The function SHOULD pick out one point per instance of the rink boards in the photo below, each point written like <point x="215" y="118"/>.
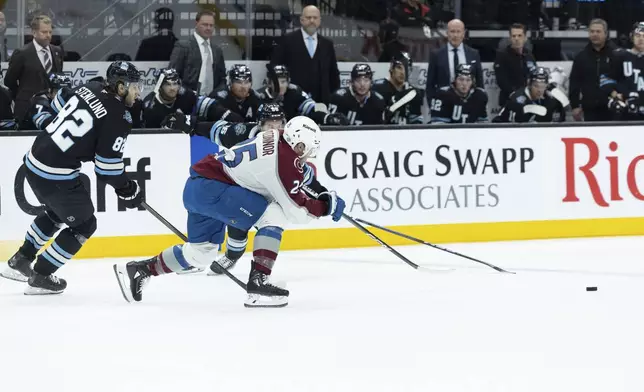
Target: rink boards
<point x="443" y="185"/>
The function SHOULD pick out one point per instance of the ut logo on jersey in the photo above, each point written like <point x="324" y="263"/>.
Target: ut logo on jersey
<point x="635" y="73"/>
<point x="457" y="114"/>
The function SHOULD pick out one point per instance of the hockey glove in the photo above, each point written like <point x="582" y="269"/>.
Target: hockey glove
<point x="336" y="119"/>
<point x="633" y="103"/>
<point x="336" y="204"/>
<point x="179" y="122"/>
<point x="131" y="194"/>
<point x="616" y="105"/>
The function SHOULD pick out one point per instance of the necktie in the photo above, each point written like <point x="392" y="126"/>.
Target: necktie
<point x="4" y="52"/>
<point x="207" y="80"/>
<point x="47" y="60"/>
<point x="455" y="50"/>
<point x="309" y="46"/>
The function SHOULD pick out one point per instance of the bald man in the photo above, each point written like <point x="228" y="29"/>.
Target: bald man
<point x="444" y="61"/>
<point x="309" y="57"/>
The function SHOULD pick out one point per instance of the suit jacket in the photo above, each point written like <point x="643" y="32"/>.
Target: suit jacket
<point x="186" y="59"/>
<point x="292" y="53"/>
<point x="26" y="75"/>
<point x="438" y="74"/>
<point x="156" y="48"/>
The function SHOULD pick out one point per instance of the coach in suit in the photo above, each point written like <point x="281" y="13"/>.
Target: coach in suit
<point x="309" y="57"/>
<point x="199" y="62"/>
<point x="444" y="61"/>
<point x="30" y="66"/>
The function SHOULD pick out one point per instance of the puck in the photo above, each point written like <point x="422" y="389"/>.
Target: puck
<point x="591" y="288"/>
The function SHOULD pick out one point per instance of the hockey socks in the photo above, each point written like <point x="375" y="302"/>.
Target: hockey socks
<point x="64" y="247"/>
<point x="236" y="243"/>
<point x="266" y="246"/>
<point x="168" y="261"/>
<point x="43" y="228"/>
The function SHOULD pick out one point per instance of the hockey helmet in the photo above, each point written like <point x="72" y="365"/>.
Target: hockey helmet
<point x="539" y="74"/>
<point x="360" y="70"/>
<point x="401" y="58"/>
<point x="638" y="27"/>
<point x="465" y="70"/>
<point x="302" y="129"/>
<point x="269" y="115"/>
<point x="240" y="72"/>
<point x="59" y="80"/>
<point x="280" y="71"/>
<point x="122" y="72"/>
<point x="169" y="75"/>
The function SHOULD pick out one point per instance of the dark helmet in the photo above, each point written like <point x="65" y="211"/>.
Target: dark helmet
<point x="170" y="75"/>
<point x="401" y="58"/>
<point x="539" y="74"/>
<point x="240" y="72"/>
<point x="280" y="71"/>
<point x="270" y="111"/>
<point x="638" y="27"/>
<point x="59" y="80"/>
<point x="465" y="70"/>
<point x="360" y="70"/>
<point x="121" y="72"/>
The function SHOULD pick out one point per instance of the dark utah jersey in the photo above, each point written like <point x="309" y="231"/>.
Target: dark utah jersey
<point x="295" y="102"/>
<point x="370" y="112"/>
<point x="449" y="107"/>
<point x="247" y="108"/>
<point x="42" y="110"/>
<point x="409" y="113"/>
<point x="154" y="111"/>
<point x="225" y="133"/>
<point x="92" y="125"/>
<point x="515" y="110"/>
<point x="625" y="75"/>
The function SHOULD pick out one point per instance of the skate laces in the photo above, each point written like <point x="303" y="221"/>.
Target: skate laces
<point x="142" y="283"/>
<point x="54" y="279"/>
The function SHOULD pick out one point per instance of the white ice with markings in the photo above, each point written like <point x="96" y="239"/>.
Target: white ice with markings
<point x="358" y="320"/>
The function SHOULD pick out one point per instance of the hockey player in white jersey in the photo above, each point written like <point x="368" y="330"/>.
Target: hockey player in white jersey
<point x="256" y="183"/>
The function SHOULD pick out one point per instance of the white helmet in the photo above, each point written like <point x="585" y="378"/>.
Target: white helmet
<point x="302" y="129"/>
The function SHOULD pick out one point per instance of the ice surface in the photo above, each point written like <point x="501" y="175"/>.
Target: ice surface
<point x="358" y="320"/>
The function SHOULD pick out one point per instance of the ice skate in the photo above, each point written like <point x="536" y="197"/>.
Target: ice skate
<point x="132" y="278"/>
<point x="223" y="262"/>
<point x="18" y="268"/>
<point x="190" y="270"/>
<point x="45" y="284"/>
<point x="263" y="294"/>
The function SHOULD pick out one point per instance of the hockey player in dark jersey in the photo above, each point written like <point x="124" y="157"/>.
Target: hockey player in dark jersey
<point x="462" y="102"/>
<point x="358" y="102"/>
<point x="397" y="87"/>
<point x="534" y="103"/>
<point x="293" y="100"/>
<point x="170" y="96"/>
<point x="47" y="103"/>
<point x="239" y="96"/>
<point x="92" y="125"/>
<point x="624" y="85"/>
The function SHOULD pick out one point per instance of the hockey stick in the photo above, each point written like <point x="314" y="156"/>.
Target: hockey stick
<point x="432" y="245"/>
<point x="185" y="239"/>
<point x="539" y="110"/>
<point x="378" y="240"/>
<point x="403" y="101"/>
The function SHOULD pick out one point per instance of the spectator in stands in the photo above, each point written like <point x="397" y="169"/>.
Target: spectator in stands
<point x="159" y="47"/>
<point x="587" y="100"/>
<point x="444" y="61"/>
<point x="4" y="50"/>
<point x="410" y="13"/>
<point x="309" y="57"/>
<point x="199" y="62"/>
<point x="513" y="64"/>
<point x="391" y="44"/>
<point x="30" y="66"/>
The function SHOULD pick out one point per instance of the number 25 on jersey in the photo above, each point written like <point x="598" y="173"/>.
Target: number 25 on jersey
<point x="70" y="122"/>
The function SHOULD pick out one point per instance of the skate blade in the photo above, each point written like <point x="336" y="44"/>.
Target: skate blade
<point x="263" y="301"/>
<point x="40" y="291"/>
<point x="124" y="282"/>
<point x="11" y="274"/>
<point x="191" y="270"/>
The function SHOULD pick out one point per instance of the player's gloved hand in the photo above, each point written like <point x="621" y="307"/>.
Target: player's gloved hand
<point x="131" y="194"/>
<point x="633" y="102"/>
<point x="616" y="105"/>
<point x="179" y="122"/>
<point x="336" y="204"/>
<point x="11" y="125"/>
<point x="336" y="119"/>
<point x="226" y="154"/>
